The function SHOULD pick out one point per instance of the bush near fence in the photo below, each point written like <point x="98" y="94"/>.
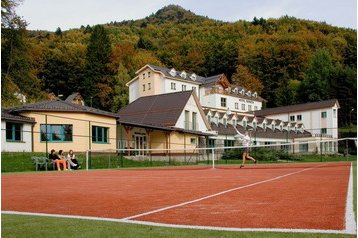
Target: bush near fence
<point x="263" y="154"/>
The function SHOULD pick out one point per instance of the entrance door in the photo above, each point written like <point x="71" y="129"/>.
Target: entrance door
<point x="140" y="143"/>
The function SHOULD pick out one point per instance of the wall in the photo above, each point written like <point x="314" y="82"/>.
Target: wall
<point x="133" y="91"/>
<point x="82" y="131"/>
<point x="191" y="106"/>
<point x="24" y="146"/>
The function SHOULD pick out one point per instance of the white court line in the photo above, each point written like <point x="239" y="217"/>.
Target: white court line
<point x="351" y="226"/>
<point x="350" y="220"/>
<point x="216" y="194"/>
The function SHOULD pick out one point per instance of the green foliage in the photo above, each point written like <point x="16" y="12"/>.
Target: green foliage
<point x="295" y="60"/>
<point x="261" y="154"/>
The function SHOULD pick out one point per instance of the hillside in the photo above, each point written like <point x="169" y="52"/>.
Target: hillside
<point x="290" y="60"/>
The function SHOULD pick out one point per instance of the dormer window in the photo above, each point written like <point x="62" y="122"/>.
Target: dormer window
<point x="193" y="77"/>
<point x="209" y="118"/>
<point x="281" y="128"/>
<point x="254" y="124"/>
<point x="264" y="126"/>
<point x="242" y="91"/>
<point x="234" y="123"/>
<point x="172" y="72"/>
<point x="244" y="124"/>
<point x="248" y="93"/>
<point x="183" y="74"/>
<point x="254" y="94"/>
<point x="273" y="127"/>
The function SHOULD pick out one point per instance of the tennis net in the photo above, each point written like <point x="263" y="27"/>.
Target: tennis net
<point x="223" y="156"/>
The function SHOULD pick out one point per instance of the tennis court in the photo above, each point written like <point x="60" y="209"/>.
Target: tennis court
<point x="303" y="197"/>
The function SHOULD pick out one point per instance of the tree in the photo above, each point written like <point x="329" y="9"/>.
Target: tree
<point x="120" y="94"/>
<point x="97" y="72"/>
<point x="244" y="78"/>
<point x="17" y="75"/>
<point x="315" y="85"/>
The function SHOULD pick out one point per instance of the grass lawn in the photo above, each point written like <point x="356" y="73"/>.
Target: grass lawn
<point x="32" y="226"/>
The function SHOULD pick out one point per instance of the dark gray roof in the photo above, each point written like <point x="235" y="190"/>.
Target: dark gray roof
<point x="297" y="107"/>
<point x="61" y="106"/>
<point x="165" y="71"/>
<point x="72" y="96"/>
<point x="7" y="116"/>
<point x="212" y="79"/>
<point x="161" y="110"/>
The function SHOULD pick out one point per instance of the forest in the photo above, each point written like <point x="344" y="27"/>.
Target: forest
<point x="286" y="60"/>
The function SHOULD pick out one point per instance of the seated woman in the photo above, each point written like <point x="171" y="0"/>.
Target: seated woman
<point x="72" y="161"/>
<point x="58" y="160"/>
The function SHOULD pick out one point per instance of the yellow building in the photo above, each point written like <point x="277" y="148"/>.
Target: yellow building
<point x="62" y="125"/>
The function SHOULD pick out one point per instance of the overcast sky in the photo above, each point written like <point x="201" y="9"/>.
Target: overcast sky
<point x="67" y="14"/>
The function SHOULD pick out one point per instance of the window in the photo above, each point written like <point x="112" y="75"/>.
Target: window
<point x="249" y="107"/>
<point x="143" y="76"/>
<point x="244" y="124"/>
<point x="149" y="86"/>
<point x="303" y="147"/>
<point x="292" y="118"/>
<point x="211" y="143"/>
<point x="323" y="114"/>
<point x="273" y="127"/>
<point x="228" y="143"/>
<point x="194" y="127"/>
<point x="173" y="86"/>
<point x="13" y="131"/>
<point x="254" y="124"/>
<point x="334" y="113"/>
<point x="148" y="74"/>
<point x="324" y="131"/>
<point x="255" y="108"/>
<point x="223" y="102"/>
<point x="193" y="141"/>
<point x="99" y="134"/>
<point x="299" y="117"/>
<point x="243" y="107"/>
<point x="209" y="118"/>
<point x="264" y="126"/>
<point x="193" y="88"/>
<point x="236" y="105"/>
<point x="143" y="87"/>
<point x="224" y="121"/>
<point x="186" y="122"/>
<point x="183" y="87"/>
<point x="56" y="133"/>
<point x="234" y="123"/>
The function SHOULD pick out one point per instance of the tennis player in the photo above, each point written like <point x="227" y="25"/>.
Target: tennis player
<point x="247" y="142"/>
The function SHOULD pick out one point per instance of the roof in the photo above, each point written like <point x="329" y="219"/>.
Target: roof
<point x="6" y="116"/>
<point x="161" y="110"/>
<point x="259" y="132"/>
<point x="72" y="97"/>
<point x="212" y="79"/>
<point x="165" y="71"/>
<point x="297" y="108"/>
<point x="62" y="106"/>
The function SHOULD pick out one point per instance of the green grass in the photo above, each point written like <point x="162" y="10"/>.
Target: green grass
<point x="31" y="226"/>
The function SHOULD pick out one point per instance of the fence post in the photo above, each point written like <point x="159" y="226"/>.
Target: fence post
<point x="213" y="157"/>
<point x="87" y="153"/>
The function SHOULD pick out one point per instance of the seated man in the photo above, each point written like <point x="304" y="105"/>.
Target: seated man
<point x="58" y="160"/>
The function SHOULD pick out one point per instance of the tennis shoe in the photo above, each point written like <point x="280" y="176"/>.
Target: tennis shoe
<point x="241" y="166"/>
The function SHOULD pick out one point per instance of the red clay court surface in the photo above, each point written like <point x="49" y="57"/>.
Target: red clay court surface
<point x="304" y="196"/>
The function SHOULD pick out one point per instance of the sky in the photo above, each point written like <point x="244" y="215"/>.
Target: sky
<point x="67" y="14"/>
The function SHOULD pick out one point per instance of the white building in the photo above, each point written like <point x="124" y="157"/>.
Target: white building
<point x="319" y="118"/>
<point x="16" y="133"/>
<point x="213" y="92"/>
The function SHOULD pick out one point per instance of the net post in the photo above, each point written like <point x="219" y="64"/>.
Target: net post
<point x="87" y="153"/>
<point x="213" y="157"/>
